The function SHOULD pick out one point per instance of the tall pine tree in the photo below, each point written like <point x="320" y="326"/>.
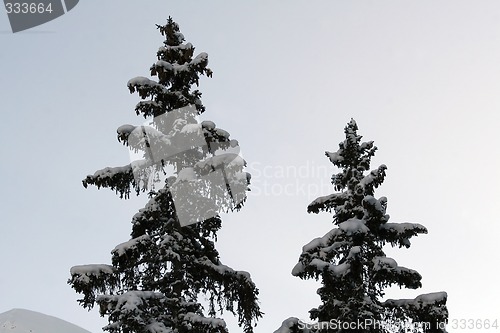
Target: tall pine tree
<point x="156" y="278"/>
<point x="350" y="260"/>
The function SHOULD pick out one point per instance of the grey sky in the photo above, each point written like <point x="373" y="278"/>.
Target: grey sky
<point x="421" y="78"/>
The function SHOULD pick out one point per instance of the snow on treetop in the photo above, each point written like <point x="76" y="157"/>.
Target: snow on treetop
<point x="340" y="269"/>
<point x="321" y="265"/>
<point x="149" y="103"/>
<point x="374" y="177"/>
<point x="192" y="128"/>
<point x="130" y="300"/>
<point x="379" y="205"/>
<point x="144" y="136"/>
<point x="354" y="226"/>
<point x="223" y="269"/>
<point x="288" y="326"/>
<point x="195" y="318"/>
<point x="400" y="233"/>
<point x="158" y="327"/>
<point x="142" y="81"/>
<point x="419" y="301"/>
<point x="222" y="132"/>
<point x="402" y="228"/>
<point x="165" y="48"/>
<point x="125" y="129"/>
<point x="228" y="160"/>
<point x="335" y="157"/>
<point x="92" y="269"/>
<point x="84" y="272"/>
<point x="122" y="248"/>
<point x="431" y="297"/>
<point x="110" y="172"/>
<point x="380" y="263"/>
<point x="326" y="202"/>
<point x="200" y="58"/>
<point x="172" y="33"/>
<point x="355" y="250"/>
<point x="186" y="175"/>
<point x="404" y="276"/>
<point x="163" y="66"/>
<point x="366" y="145"/>
<point x="298" y="269"/>
<point x="208" y="124"/>
<point x="321" y="241"/>
<point x="169" y="67"/>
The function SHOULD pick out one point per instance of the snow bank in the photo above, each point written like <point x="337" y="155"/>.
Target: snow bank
<point x="419" y="301"/>
<point x="354" y="226"/>
<point x="83" y="273"/>
<point x="26" y="321"/>
<point x="213" y="322"/>
<point x="122" y="248"/>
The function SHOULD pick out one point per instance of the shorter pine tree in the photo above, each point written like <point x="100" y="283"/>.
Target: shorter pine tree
<point x="350" y="260"/>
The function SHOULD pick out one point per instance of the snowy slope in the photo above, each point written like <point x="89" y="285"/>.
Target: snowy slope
<point x="26" y="321"/>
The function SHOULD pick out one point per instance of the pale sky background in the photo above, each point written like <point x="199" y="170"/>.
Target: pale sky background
<point x="421" y="78"/>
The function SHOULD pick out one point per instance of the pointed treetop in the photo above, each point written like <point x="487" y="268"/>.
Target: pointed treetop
<point x="350" y="258"/>
<point x="353" y="156"/>
<point x="172" y="33"/>
<point x="177" y="70"/>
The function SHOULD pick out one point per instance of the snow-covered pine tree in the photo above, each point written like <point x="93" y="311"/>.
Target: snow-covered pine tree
<point x="350" y="260"/>
<point x="156" y="278"/>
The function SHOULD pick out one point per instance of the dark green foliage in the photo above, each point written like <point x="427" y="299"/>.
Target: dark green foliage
<point x="156" y="278"/>
<point x="350" y="261"/>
